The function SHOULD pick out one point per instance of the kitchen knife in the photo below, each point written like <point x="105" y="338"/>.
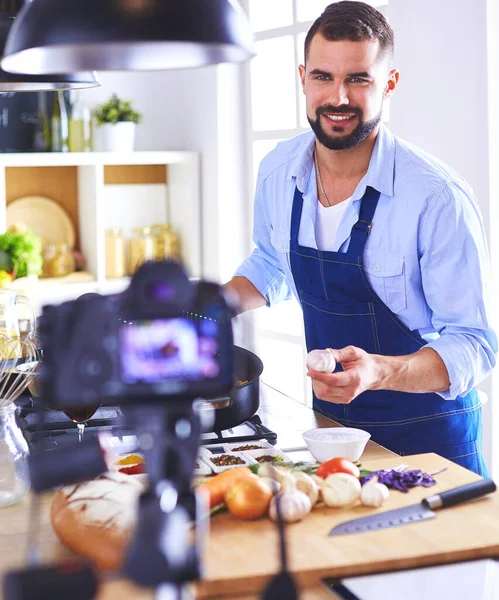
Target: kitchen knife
<point x="416" y="512"/>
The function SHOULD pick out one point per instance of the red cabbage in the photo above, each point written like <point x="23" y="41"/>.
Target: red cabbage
<point x="401" y="480"/>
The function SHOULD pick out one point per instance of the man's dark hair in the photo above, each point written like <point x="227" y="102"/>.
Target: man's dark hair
<point x="354" y="21"/>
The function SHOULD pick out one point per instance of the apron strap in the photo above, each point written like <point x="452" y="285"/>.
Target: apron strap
<point x="296" y="215"/>
<point x="362" y="228"/>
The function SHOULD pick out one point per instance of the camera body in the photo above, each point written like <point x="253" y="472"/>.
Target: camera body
<point x="164" y="337"/>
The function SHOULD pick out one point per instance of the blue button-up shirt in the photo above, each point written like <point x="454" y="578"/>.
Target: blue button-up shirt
<point x="426" y="256"/>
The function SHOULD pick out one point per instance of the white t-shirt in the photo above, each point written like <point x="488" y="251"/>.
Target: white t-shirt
<point x="327" y="223"/>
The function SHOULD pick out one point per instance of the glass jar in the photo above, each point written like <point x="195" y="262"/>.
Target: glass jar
<point x="167" y="242"/>
<point x="140" y="248"/>
<point x="14" y="473"/>
<point x="63" y="263"/>
<point x="115" y="254"/>
<point x="48" y="257"/>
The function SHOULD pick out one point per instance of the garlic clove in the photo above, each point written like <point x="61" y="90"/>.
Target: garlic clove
<point x="321" y="360"/>
<point x="374" y="494"/>
<point x="306" y="484"/>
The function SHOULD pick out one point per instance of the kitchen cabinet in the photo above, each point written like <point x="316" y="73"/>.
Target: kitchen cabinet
<point x="100" y="190"/>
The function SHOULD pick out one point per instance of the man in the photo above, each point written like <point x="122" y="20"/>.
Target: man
<point x="384" y="248"/>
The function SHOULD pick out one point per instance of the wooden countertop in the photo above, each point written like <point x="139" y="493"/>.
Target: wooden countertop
<point x="250" y="549"/>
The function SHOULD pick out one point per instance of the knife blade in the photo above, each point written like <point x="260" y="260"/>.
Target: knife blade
<point x="416" y="512"/>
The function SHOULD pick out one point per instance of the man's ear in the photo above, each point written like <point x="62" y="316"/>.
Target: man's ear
<point x="391" y="84"/>
<point x="302" y="71"/>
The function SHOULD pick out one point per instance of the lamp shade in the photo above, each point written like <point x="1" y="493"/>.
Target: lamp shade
<point x="80" y="35"/>
<point x="10" y="82"/>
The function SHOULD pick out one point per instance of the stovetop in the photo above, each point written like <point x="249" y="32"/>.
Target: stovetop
<point x="59" y="430"/>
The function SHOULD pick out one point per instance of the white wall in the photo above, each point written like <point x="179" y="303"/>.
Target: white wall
<point x="199" y="110"/>
<point x="446" y="103"/>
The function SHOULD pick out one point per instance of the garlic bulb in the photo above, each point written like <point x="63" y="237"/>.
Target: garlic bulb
<point x="374" y="493"/>
<point x="274" y="485"/>
<point x="280" y="475"/>
<point x="321" y="360"/>
<point x="341" y="489"/>
<point x="293" y="506"/>
<point x="306" y="484"/>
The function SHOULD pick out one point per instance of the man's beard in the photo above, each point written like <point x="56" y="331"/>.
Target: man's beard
<point x="358" y="135"/>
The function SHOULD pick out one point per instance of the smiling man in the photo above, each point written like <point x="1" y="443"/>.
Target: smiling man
<point x="383" y="246"/>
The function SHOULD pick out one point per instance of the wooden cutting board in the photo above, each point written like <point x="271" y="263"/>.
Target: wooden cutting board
<point x="240" y="556"/>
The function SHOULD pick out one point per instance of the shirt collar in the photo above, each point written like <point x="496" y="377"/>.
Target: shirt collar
<point x="380" y="174"/>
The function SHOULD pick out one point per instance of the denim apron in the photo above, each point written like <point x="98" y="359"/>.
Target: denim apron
<point x="340" y="308"/>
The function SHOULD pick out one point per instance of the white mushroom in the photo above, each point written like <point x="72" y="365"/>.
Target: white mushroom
<point x="341" y="489"/>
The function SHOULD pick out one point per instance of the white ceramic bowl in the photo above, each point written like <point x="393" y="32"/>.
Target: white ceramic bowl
<point x="328" y="442"/>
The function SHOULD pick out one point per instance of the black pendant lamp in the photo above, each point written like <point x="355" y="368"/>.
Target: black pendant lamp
<point x="10" y="82"/>
<point x="136" y="35"/>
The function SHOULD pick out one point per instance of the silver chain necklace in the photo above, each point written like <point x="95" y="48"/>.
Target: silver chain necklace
<point x="319" y="179"/>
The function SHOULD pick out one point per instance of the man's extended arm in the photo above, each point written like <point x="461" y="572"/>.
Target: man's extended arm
<point x="246" y="293"/>
<point x="421" y="372"/>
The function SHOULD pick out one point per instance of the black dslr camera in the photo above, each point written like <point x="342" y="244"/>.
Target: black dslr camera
<point x="165" y="336"/>
<point x="153" y="349"/>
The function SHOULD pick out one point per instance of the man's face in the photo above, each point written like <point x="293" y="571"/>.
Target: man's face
<point x="345" y="84"/>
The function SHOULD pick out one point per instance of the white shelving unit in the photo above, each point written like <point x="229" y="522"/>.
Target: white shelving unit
<point x="102" y="190"/>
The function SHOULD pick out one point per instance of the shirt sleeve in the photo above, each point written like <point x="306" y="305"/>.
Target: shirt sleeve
<point x="455" y="274"/>
<point x="263" y="267"/>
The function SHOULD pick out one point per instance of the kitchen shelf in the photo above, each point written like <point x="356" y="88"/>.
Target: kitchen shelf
<point x="106" y="189"/>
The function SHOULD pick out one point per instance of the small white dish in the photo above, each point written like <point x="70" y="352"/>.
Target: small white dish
<point x="204" y="452"/>
<point x="329" y="442"/>
<point x="241" y="446"/>
<point x="201" y="467"/>
<point x="277" y="455"/>
<point x="245" y="461"/>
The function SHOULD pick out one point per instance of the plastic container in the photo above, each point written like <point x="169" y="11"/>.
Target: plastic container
<point x="277" y="455"/>
<point x="329" y="442"/>
<point x="246" y="460"/>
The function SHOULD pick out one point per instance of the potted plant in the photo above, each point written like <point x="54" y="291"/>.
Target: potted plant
<point x="116" y="121"/>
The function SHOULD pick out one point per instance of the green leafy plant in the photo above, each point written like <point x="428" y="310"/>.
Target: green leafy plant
<point x="21" y="252"/>
<point x="116" y="111"/>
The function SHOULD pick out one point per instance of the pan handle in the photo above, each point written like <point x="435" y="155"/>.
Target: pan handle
<point x="223" y="402"/>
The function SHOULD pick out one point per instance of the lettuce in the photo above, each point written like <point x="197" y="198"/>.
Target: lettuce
<point x="25" y="251"/>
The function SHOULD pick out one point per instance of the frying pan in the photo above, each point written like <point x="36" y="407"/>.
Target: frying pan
<point x="244" y="398"/>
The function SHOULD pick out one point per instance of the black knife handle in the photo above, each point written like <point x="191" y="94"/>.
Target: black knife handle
<point x="460" y="494"/>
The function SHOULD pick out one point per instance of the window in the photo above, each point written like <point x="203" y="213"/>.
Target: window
<point x="277" y="112"/>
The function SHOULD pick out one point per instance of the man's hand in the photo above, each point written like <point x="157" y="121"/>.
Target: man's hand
<point x="421" y="372"/>
<point x="360" y="373"/>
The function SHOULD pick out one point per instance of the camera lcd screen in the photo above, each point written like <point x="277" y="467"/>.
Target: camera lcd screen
<point x="169" y="349"/>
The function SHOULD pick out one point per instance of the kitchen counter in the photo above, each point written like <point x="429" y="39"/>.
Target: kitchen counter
<point x="241" y="556"/>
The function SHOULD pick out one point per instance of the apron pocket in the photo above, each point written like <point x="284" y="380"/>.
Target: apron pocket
<point x="336" y="325"/>
<point x="386" y="275"/>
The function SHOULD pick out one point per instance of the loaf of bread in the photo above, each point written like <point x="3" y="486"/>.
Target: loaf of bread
<point x="97" y="518"/>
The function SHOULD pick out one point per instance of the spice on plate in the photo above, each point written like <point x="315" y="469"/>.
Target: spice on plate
<point x="131" y="459"/>
<point x="268" y="458"/>
<point x="225" y="460"/>
<point x="247" y="447"/>
<point x="133" y="470"/>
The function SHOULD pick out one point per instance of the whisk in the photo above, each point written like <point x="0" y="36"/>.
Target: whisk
<point x="19" y="360"/>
